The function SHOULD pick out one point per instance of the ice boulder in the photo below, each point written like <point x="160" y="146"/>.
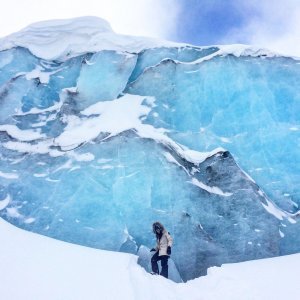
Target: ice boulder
<point x="103" y="134"/>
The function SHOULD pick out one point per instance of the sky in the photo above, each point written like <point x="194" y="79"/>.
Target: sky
<point x="273" y="24"/>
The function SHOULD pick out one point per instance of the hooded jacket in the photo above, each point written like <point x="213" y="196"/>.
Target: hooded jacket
<point x="163" y="243"/>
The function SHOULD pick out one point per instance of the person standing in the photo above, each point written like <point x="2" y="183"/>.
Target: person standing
<point x="162" y="250"/>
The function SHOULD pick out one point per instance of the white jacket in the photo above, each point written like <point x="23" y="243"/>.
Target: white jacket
<point x="163" y="243"/>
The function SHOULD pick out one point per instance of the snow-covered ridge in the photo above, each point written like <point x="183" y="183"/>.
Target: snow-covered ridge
<point x="62" y="39"/>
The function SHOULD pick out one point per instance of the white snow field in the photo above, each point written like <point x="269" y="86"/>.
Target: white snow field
<point x="35" y="267"/>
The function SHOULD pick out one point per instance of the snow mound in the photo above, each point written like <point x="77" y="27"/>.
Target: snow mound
<point x="44" y="268"/>
<point x="66" y="38"/>
<point x="62" y="39"/>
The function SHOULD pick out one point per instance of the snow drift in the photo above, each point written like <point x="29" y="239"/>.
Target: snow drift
<point x="36" y="267"/>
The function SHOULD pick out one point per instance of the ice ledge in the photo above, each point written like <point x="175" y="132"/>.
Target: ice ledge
<point x="62" y="39"/>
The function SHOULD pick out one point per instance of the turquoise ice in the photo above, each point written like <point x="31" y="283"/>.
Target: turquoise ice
<point x="98" y="146"/>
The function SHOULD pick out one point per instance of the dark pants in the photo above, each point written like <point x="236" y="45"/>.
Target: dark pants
<point x="164" y="264"/>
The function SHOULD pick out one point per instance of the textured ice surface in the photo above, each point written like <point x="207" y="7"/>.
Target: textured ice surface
<point x="96" y="147"/>
<point x="115" y="70"/>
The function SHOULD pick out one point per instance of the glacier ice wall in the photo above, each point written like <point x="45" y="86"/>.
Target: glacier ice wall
<point x="97" y="146"/>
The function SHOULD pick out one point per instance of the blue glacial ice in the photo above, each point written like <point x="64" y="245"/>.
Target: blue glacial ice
<point x="97" y="145"/>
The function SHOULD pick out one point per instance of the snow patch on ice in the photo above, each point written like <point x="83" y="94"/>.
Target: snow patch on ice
<point x="171" y="159"/>
<point x="38" y="148"/>
<point x="225" y="140"/>
<point x="38" y="73"/>
<point x="29" y="220"/>
<point x="22" y="135"/>
<point x="9" y="175"/>
<point x="40" y="175"/>
<point x="5" y="202"/>
<point x="210" y="189"/>
<point x="13" y="212"/>
<point x="128" y="110"/>
<point x="276" y="211"/>
<point x="82" y="156"/>
<point x="199" y="157"/>
<point x="35" y="111"/>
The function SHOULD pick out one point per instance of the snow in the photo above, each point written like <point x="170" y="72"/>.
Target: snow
<point x="29" y="220"/>
<point x="245" y="50"/>
<point x="13" y="212"/>
<point x="63" y="39"/>
<point x="210" y="189"/>
<point x="9" y="175"/>
<point x="38" y="267"/>
<point x="127" y="110"/>
<point x="101" y="118"/>
<point x="239" y="50"/>
<point x="198" y="157"/>
<point x="41" y="74"/>
<point x="36" y="111"/>
<point x="236" y="50"/>
<point x="39" y="148"/>
<point x="21" y="135"/>
<point x="276" y="211"/>
<point x="4" y="202"/>
<point x="172" y="160"/>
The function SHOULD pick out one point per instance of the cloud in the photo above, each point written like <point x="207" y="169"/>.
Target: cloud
<point x="206" y="22"/>
<point x="135" y="17"/>
<point x="271" y="24"/>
